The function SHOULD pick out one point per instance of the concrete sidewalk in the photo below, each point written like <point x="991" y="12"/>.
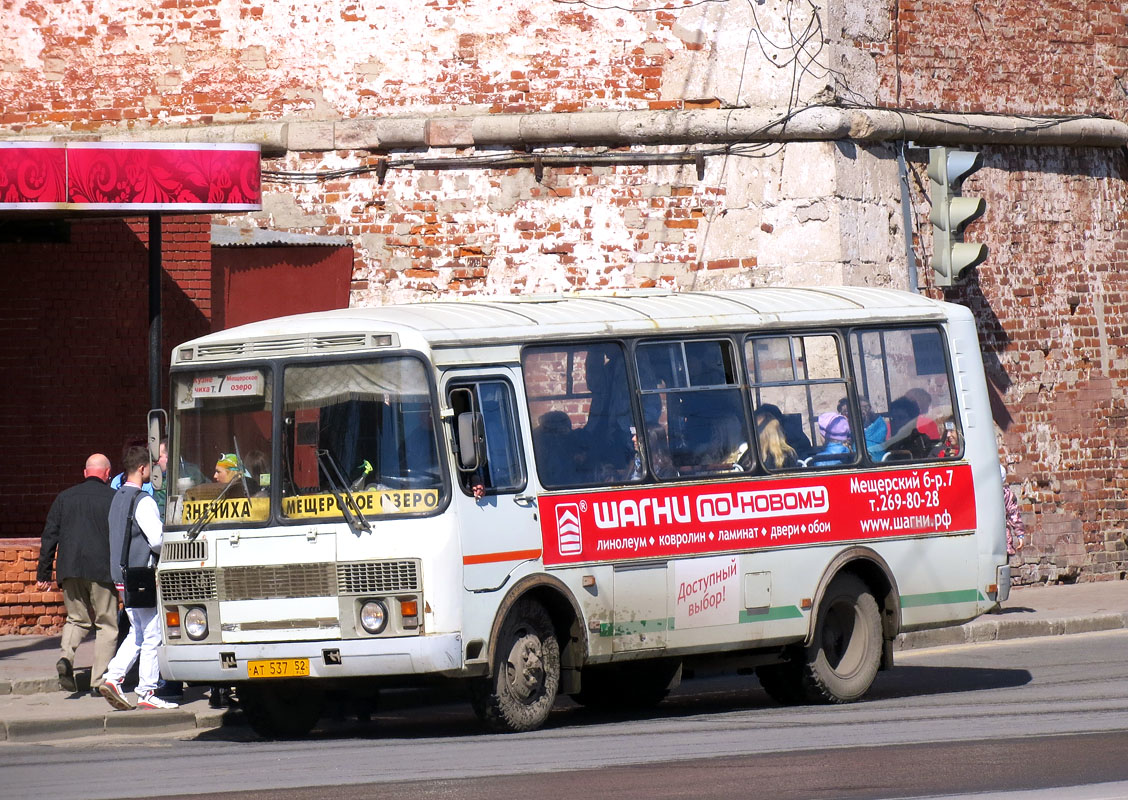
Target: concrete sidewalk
<point x="34" y="708"/>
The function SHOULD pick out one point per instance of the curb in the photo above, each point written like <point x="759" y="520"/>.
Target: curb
<point x="991" y="630"/>
<point x="25" y="686"/>
<point x="125" y="723"/>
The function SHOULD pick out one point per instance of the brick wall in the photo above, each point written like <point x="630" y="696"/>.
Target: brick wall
<point x="1051" y="297"/>
<point x="74" y="326"/>
<point x="1051" y="301"/>
<point x="23" y="608"/>
<point x="1065" y="57"/>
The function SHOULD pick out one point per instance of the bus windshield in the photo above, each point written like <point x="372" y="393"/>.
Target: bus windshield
<point x="365" y="429"/>
<point x="222" y="448"/>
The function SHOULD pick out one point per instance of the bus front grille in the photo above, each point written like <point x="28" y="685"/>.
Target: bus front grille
<point x="196" y="550"/>
<point x="282" y="581"/>
<point x="187" y="585"/>
<point x="377" y="577"/>
<point x="279" y="581"/>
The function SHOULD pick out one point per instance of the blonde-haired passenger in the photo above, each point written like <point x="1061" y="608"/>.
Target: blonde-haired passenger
<point x="774" y="449"/>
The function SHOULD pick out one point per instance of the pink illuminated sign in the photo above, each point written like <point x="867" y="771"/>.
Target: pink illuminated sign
<point x="130" y="177"/>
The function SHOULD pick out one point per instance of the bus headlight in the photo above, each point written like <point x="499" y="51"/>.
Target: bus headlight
<point x="196" y="624"/>
<point x="373" y="616"/>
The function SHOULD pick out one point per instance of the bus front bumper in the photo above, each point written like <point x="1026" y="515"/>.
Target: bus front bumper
<point x="351" y="658"/>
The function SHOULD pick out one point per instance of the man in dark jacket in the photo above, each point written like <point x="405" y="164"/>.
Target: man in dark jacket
<point x="78" y="528"/>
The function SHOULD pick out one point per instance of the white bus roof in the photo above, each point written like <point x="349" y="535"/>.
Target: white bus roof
<point x="502" y="320"/>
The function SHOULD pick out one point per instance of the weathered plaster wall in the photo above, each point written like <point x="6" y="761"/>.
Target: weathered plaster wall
<point x="87" y="62"/>
<point x="811" y="213"/>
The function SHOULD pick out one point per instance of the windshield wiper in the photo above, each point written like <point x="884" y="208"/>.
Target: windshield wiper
<point x="202" y="522"/>
<point x="338" y="486"/>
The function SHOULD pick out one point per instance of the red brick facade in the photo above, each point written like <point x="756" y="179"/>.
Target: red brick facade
<point x="74" y="324"/>
<point x="24" y="609"/>
<point x="1052" y="297"/>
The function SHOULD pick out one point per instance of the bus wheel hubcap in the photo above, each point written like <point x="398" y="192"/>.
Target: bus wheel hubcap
<point x="525" y="668"/>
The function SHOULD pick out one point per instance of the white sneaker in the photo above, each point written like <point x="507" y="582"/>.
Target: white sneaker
<point x="111" y="690"/>
<point x="150" y="700"/>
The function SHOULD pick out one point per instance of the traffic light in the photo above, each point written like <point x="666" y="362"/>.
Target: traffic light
<point x="951" y="212"/>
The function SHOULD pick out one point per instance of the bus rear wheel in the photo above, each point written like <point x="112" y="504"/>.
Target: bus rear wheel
<point x="283" y="711"/>
<point x="526" y="673"/>
<point x="843" y="657"/>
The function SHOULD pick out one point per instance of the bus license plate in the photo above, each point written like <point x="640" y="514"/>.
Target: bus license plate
<point x="279" y="668"/>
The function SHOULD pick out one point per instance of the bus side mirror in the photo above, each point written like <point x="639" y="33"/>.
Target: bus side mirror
<point x="158" y="424"/>
<point x="471" y="440"/>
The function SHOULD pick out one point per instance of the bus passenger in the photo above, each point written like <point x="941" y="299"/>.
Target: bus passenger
<point x="911" y="432"/>
<point x="774" y="449"/>
<point x="257" y="476"/>
<point x="837" y="442"/>
<point x="227" y="469"/>
<point x="555" y="446"/>
<point x="876" y="430"/>
<point x="925" y="424"/>
<point x="792" y="428"/>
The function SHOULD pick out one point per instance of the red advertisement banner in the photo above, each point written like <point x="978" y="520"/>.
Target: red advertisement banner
<point x="32" y="175"/>
<point x="175" y="177"/>
<point x="671" y="521"/>
<point x="130" y="177"/>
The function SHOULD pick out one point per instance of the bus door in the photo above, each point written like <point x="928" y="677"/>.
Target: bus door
<point x="641" y="607"/>
<point x="497" y="517"/>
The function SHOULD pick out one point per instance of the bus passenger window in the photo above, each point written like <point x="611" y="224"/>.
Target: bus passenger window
<point x="798" y="391"/>
<point x="903" y="380"/>
<point x="693" y="408"/>
<point x="580" y="407"/>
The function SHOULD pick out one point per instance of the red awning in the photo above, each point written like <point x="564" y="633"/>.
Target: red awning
<point x="129" y="177"/>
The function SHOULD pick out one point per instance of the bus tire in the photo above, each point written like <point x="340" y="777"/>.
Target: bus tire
<point x="281" y="711"/>
<point x="526" y="674"/>
<point x="844" y="655"/>
<point x="630" y="687"/>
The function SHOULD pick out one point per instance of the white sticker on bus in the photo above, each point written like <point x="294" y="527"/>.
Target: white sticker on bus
<point x="568" y="528"/>
<point x="707" y="592"/>
<point x="240" y="384"/>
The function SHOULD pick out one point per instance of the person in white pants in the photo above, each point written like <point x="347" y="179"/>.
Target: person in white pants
<point x="146" y="532"/>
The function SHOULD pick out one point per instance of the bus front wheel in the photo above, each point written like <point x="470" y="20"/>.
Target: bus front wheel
<point x="526" y="673"/>
<point x="843" y="657"/>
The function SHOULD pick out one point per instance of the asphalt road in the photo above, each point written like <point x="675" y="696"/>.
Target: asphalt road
<point x="1003" y="717"/>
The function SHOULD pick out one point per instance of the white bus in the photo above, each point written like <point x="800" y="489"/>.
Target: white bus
<point x="593" y="495"/>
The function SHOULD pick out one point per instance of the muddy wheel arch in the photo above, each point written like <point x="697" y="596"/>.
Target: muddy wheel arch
<point x="567" y="621"/>
<point x="873" y="570"/>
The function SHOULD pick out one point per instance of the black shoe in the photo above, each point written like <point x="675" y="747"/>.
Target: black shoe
<point x="66" y="674"/>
